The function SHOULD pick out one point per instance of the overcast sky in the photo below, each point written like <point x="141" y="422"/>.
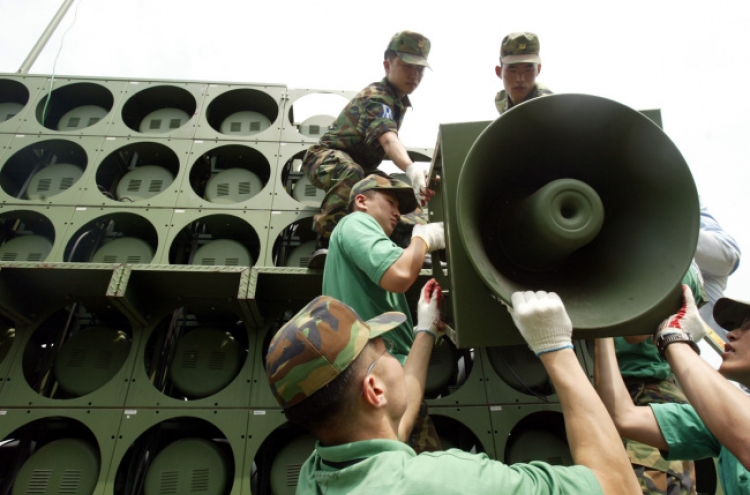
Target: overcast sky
<point x="687" y="58"/>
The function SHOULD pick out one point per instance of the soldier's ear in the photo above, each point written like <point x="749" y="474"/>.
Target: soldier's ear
<point x="499" y="71"/>
<point x="538" y="69"/>
<point x="387" y="66"/>
<point x="360" y="202"/>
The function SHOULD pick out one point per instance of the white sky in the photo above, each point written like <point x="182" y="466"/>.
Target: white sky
<point x="686" y="57"/>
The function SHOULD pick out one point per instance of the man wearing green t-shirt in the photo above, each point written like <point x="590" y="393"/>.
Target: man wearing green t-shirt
<point x="331" y="372"/>
<point x="716" y="423"/>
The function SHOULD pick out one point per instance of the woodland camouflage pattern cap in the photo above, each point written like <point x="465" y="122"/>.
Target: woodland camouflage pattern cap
<point x="407" y="202"/>
<point x="315" y="346"/>
<point x="730" y="313"/>
<point x="520" y="48"/>
<point x="411" y="47"/>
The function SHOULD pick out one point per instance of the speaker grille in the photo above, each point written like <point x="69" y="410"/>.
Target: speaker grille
<point x="155" y="185"/>
<point x="39" y="481"/>
<point x="255" y="126"/>
<point x="44" y="185"/>
<point x="222" y="189"/>
<point x="104" y="360"/>
<point x="10" y="256"/>
<point x="134" y="185"/>
<point x="71" y="481"/>
<point x="236" y="126"/>
<point x="292" y="474"/>
<point x="66" y="182"/>
<point x="310" y="190"/>
<point x="155" y="124"/>
<point x="314" y="129"/>
<point x="175" y="123"/>
<point x="232" y="262"/>
<point x="93" y="120"/>
<point x="216" y="361"/>
<point x="74" y="121"/>
<point x="200" y="480"/>
<point x="169" y="481"/>
<point x="76" y="358"/>
<point x="190" y="360"/>
<point x="244" y="188"/>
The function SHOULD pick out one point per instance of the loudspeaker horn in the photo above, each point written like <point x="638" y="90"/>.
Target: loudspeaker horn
<point x="585" y="197"/>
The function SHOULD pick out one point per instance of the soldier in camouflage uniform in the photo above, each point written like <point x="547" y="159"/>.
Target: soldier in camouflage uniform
<point x="519" y="66"/>
<point x="364" y="133"/>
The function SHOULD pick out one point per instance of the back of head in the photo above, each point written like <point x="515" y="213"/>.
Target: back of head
<point x="412" y="48"/>
<point x="520" y="48"/>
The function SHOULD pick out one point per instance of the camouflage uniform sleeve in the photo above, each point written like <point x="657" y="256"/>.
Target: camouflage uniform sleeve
<point x="381" y="118"/>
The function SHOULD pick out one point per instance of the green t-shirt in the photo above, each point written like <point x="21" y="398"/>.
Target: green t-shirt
<point x="359" y="253"/>
<point x="381" y="467"/>
<point x="689" y="439"/>
<point x="641" y="360"/>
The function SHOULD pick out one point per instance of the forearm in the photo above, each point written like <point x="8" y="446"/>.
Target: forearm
<point x="415" y="376"/>
<point x="633" y="422"/>
<point x="723" y="407"/>
<point x="404" y="271"/>
<point x="593" y="439"/>
<point x="395" y="150"/>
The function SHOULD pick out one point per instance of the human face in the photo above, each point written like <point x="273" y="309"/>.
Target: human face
<point x="518" y="79"/>
<point x="736" y="358"/>
<point x="382" y="206"/>
<point x="404" y="77"/>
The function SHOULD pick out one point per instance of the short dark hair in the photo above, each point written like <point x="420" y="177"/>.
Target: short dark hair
<point x="390" y="55"/>
<point x="324" y="407"/>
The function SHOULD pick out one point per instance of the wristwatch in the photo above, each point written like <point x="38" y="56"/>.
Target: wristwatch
<point x="670" y="338"/>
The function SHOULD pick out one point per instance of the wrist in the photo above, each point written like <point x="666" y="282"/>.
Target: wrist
<point x="664" y="340"/>
<point x="425" y="330"/>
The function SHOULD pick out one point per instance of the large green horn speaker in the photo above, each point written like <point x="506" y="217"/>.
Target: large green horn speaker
<point x="582" y="196"/>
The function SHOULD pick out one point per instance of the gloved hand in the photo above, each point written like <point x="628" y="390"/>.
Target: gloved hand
<point x="433" y="234"/>
<point x="687" y="320"/>
<point x="542" y="320"/>
<point x="428" y="310"/>
<point x="417" y="174"/>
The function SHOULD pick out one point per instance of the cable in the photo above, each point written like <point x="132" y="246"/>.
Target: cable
<point x="54" y="64"/>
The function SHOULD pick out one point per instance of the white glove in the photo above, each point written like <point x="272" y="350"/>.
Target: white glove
<point x="428" y="310"/>
<point x="417" y="174"/>
<point x="433" y="234"/>
<point x="687" y="320"/>
<point x="542" y="320"/>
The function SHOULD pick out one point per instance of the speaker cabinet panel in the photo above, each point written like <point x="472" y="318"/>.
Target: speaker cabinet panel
<point x="229" y="175"/>
<point x="248" y="228"/>
<point x="467" y="428"/>
<point x="158" y="110"/>
<point x="75" y="357"/>
<point x="48" y="223"/>
<point x="242" y="112"/>
<point x="136" y="173"/>
<point x="290" y="231"/>
<point x="8" y="348"/>
<point x="73" y="107"/>
<point x="286" y="196"/>
<point x="40" y="170"/>
<point x="116" y="235"/>
<point x="168" y="356"/>
<point x="530" y="432"/>
<point x="5" y="140"/>
<point x="145" y="433"/>
<point x="300" y="124"/>
<point x="16" y="92"/>
<point x="98" y="429"/>
<point x="461" y="375"/>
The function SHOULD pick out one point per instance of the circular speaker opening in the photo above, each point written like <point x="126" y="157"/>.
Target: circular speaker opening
<point x="89" y="243"/>
<point x="313" y="113"/>
<point x="28" y="236"/>
<point x="74" y="106"/>
<point x="159" y="109"/>
<point x="210" y="228"/>
<point x="519" y="367"/>
<point x="279" y="459"/>
<point x="75" y="352"/>
<point x="236" y="103"/>
<point x="137" y="172"/>
<point x="43" y="169"/>
<point x="540" y="436"/>
<point x="179" y="455"/>
<point x="50" y="455"/>
<point x="230" y="174"/>
<point x="297" y="185"/>
<point x="448" y="370"/>
<point x="13" y="98"/>
<point x="456" y="435"/>
<point x="206" y="352"/>
<point x="293" y="243"/>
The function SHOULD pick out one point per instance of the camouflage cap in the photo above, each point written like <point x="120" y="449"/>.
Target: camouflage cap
<point x="520" y="48"/>
<point x="407" y="202"/>
<point x="319" y="343"/>
<point x="411" y="47"/>
<point x="730" y="313"/>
